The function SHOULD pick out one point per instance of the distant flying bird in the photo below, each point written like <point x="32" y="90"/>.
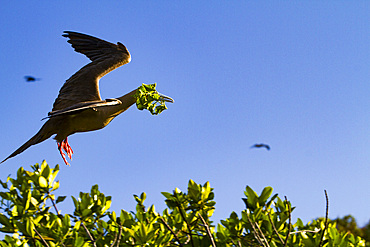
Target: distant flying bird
<point x="29" y="78"/>
<point x="261" y="145"/>
<point x="79" y="107"/>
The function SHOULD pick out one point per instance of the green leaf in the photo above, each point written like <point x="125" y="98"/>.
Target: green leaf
<point x="252" y="198"/>
<point x="268" y="204"/>
<point x="43" y="182"/>
<point x="5" y="185"/>
<point x="79" y="242"/>
<point x="167" y="194"/>
<point x="266" y="193"/>
<point x="4" y="220"/>
<point x="45" y="170"/>
<point x="55" y="185"/>
<point x="106" y="206"/>
<point x="77" y="225"/>
<point x="143" y="197"/>
<point x="299" y="223"/>
<point x="60" y="199"/>
<point x="86" y="212"/>
<point x="34" y="201"/>
<point x="30" y="227"/>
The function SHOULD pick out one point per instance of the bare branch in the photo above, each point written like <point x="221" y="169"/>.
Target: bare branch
<point x="326" y="218"/>
<point x="207" y="229"/>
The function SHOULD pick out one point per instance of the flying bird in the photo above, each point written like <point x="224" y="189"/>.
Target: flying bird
<point x="261" y="145"/>
<point x="79" y="107"/>
<point x="29" y="78"/>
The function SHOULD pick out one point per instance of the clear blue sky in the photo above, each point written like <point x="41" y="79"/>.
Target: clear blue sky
<point x="292" y="74"/>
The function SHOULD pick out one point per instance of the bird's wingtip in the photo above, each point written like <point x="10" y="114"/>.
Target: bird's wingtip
<point x="66" y="33"/>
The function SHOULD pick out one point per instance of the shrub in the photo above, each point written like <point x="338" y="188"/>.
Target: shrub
<point x="30" y="217"/>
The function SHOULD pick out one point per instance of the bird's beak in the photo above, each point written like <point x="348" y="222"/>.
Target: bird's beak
<point x="165" y="98"/>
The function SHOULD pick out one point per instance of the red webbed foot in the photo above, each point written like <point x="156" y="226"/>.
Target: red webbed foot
<point x="64" y="145"/>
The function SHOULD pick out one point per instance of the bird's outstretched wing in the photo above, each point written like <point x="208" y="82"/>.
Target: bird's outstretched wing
<point x="83" y="86"/>
<point x="261" y="146"/>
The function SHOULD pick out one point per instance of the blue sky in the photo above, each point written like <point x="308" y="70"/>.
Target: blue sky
<point x="292" y="74"/>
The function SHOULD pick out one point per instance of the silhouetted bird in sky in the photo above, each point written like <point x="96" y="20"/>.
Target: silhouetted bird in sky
<point x="29" y="78"/>
<point x="79" y="107"/>
<point x="261" y="145"/>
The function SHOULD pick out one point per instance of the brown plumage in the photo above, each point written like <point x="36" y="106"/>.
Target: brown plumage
<point x="79" y="107"/>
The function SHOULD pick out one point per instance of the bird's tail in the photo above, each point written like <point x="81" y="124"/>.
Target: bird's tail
<point x="41" y="136"/>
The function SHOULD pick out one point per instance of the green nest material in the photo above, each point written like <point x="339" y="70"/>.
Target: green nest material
<point x="148" y="98"/>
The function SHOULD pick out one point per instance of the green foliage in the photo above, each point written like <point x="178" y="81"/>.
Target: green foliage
<point x="29" y="217"/>
<point x="148" y="98"/>
<point x="348" y="224"/>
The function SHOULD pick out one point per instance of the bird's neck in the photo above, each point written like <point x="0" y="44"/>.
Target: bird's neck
<point x="127" y="100"/>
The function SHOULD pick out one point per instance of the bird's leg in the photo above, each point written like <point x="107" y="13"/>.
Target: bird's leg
<point x="60" y="146"/>
<point x="68" y="148"/>
<point x="64" y="145"/>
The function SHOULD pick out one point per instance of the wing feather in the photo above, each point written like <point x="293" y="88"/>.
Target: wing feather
<point x="74" y="109"/>
<point x="83" y="86"/>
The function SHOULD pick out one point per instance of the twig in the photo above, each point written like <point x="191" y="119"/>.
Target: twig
<point x="54" y="205"/>
<point x="187" y="224"/>
<point x="290" y="222"/>
<point x="303" y="231"/>
<point x="169" y="228"/>
<point x="115" y="239"/>
<point x="56" y="209"/>
<point x="264" y="238"/>
<point x="88" y="233"/>
<point x="255" y="233"/>
<point x="232" y="241"/>
<point x="43" y="240"/>
<point x="187" y="240"/>
<point x="275" y="230"/>
<point x="239" y="244"/>
<point x="119" y="235"/>
<point x="207" y="229"/>
<point x="326" y="218"/>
